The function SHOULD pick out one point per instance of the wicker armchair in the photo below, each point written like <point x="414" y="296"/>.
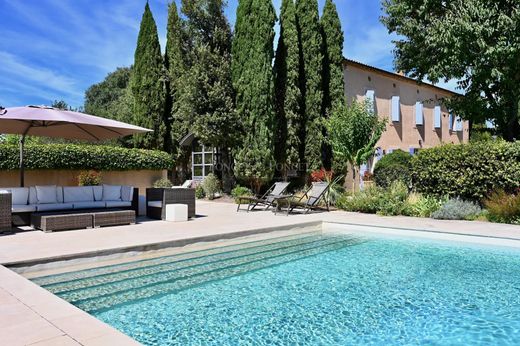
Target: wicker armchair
<point x="158" y="198"/>
<point x="5" y="212"/>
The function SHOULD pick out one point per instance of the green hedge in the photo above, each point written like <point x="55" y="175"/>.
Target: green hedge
<point x="470" y="171"/>
<point x="393" y="167"/>
<point x="69" y="156"/>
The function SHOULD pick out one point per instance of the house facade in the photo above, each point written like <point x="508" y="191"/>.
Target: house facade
<point x="416" y="117"/>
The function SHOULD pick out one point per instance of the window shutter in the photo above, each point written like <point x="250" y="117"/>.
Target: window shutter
<point x="437" y="117"/>
<point x="419" y="117"/>
<point x="370" y="97"/>
<point x="458" y="124"/>
<point x="396" y="109"/>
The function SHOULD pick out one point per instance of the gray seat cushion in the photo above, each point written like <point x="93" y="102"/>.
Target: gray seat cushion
<point x="118" y="204"/>
<point x="23" y="208"/>
<point x="155" y="204"/>
<point x="54" y="207"/>
<point x="89" y="205"/>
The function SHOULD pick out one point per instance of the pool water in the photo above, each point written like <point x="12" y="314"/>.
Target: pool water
<point x="310" y="289"/>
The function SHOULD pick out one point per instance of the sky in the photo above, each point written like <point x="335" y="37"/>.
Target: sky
<point x="55" y="49"/>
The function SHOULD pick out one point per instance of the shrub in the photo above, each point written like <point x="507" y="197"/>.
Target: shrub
<point x="376" y="200"/>
<point x="83" y="157"/>
<point x="469" y="171"/>
<point x="240" y="191"/>
<point x="419" y="205"/>
<point x="458" y="209"/>
<point x="89" y="178"/>
<point x="163" y="183"/>
<point x="503" y="207"/>
<point x="395" y="166"/>
<point x="392" y="201"/>
<point x="199" y="192"/>
<point x="211" y="185"/>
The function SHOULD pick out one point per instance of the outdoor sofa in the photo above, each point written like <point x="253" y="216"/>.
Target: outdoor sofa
<point x="52" y="198"/>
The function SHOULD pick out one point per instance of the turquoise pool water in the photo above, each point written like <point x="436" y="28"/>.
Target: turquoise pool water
<point x="309" y="290"/>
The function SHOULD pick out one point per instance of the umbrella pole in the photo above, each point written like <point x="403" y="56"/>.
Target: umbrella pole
<point x="22" y="168"/>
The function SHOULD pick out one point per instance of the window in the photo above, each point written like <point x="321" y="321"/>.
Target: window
<point x="202" y="161"/>
<point x="419" y="116"/>
<point x="451" y="118"/>
<point x="413" y="151"/>
<point x="370" y="97"/>
<point x="437" y="117"/>
<point x="396" y="109"/>
<point x="458" y="124"/>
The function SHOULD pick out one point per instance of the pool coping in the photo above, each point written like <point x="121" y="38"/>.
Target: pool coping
<point x="32" y="315"/>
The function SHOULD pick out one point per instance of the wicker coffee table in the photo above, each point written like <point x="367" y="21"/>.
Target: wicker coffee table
<point x="113" y="218"/>
<point x="49" y="222"/>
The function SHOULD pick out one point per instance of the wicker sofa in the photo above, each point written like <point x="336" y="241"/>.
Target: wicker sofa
<point x="158" y="198"/>
<point x="50" y="198"/>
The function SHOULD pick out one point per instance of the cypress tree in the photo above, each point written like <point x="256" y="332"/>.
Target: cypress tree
<point x="311" y="60"/>
<point x="333" y="82"/>
<point x="253" y="81"/>
<point x="288" y="94"/>
<point x="332" y="35"/>
<point x="207" y="95"/>
<point x="175" y="65"/>
<point x="147" y="84"/>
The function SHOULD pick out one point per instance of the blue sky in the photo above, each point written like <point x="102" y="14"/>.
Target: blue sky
<point x="55" y="49"/>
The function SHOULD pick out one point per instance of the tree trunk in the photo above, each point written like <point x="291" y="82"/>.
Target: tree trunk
<point x="228" y="177"/>
<point x="355" y="173"/>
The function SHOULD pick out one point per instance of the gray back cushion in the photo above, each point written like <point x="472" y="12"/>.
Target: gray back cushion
<point x="19" y="195"/>
<point x="78" y="194"/>
<point x="46" y="194"/>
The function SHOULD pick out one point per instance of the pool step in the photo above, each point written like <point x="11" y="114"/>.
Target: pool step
<point x="166" y="267"/>
<point x="49" y="281"/>
<point x="102" y="297"/>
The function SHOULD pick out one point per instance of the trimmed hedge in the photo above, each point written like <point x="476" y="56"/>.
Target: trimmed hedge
<point x="470" y="171"/>
<point x="78" y="157"/>
<point x="393" y="167"/>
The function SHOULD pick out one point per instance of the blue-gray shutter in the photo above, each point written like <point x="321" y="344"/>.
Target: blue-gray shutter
<point x="437" y="117"/>
<point x="419" y="117"/>
<point x="396" y="109"/>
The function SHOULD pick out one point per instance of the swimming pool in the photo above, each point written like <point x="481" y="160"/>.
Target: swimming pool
<point x="308" y="289"/>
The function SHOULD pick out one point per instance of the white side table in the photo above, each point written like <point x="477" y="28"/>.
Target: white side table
<point x="176" y="212"/>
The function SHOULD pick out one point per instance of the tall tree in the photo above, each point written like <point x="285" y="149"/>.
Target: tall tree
<point x="111" y="98"/>
<point x="253" y="80"/>
<point x="311" y="60"/>
<point x="147" y="84"/>
<point x="333" y="76"/>
<point x="288" y="94"/>
<point x="175" y="63"/>
<point x="475" y="41"/>
<point x="207" y="97"/>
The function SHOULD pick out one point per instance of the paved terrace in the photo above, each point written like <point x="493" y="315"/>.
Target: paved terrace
<point x="30" y="315"/>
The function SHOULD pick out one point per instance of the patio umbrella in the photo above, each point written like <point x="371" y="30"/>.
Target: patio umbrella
<point x="52" y="122"/>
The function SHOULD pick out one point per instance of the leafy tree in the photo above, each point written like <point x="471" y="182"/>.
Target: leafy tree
<point x="112" y="97"/>
<point x="207" y="95"/>
<point x="353" y="132"/>
<point x="147" y="84"/>
<point x="175" y="63"/>
<point x="288" y="95"/>
<point x="311" y="67"/>
<point x="253" y="80"/>
<point x="474" y="41"/>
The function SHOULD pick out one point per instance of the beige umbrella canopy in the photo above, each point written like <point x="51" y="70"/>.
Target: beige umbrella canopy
<point x="52" y="122"/>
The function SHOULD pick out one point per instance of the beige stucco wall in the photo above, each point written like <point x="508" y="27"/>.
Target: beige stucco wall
<point x="140" y="179"/>
<point x="404" y="134"/>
